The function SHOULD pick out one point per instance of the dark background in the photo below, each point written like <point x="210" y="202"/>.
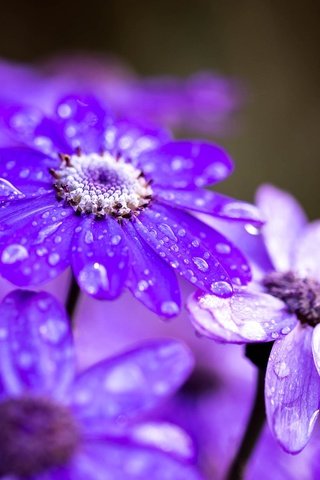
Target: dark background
<point x="273" y="46"/>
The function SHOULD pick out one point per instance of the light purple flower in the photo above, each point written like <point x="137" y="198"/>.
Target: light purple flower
<point x="283" y="304"/>
<point x="111" y="199"/>
<point x="58" y="425"/>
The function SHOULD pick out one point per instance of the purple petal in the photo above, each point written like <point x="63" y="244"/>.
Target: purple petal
<point x="284" y="222"/>
<point x="292" y="389"/>
<point x="131" y="139"/>
<point x="151" y="280"/>
<point x="210" y="202"/>
<point x="100" y="257"/>
<point x="82" y="121"/>
<point x="24" y="170"/>
<point x="200" y="254"/>
<point x="183" y="164"/>
<point x="248" y="316"/>
<point x="306" y="257"/>
<point x="130" y="383"/>
<point x="316" y="347"/>
<point x="35" y="344"/>
<point x="120" y="460"/>
<point x="36" y="244"/>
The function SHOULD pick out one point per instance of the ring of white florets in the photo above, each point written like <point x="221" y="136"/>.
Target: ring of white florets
<point x="102" y="184"/>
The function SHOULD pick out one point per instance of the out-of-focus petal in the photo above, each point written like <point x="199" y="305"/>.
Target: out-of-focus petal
<point x="306" y="255"/>
<point x="284" y="222"/>
<point x="248" y="316"/>
<point x="151" y="280"/>
<point x="126" y="461"/>
<point x="35" y="344"/>
<point x="292" y="389"/>
<point x="136" y="381"/>
<point x="211" y="203"/>
<point x="183" y="164"/>
<point x="100" y="257"/>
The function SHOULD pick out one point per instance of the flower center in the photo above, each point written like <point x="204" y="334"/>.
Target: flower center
<point x="301" y="295"/>
<point x="35" y="434"/>
<point x="101" y="184"/>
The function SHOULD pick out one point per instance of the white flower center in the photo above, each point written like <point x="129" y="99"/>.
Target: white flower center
<point x="101" y="184"/>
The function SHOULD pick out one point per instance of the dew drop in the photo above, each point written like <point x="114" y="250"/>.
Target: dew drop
<point x="200" y="263"/>
<point x="14" y="253"/>
<point x="223" y="248"/>
<point x="167" y="230"/>
<point x="116" y="239"/>
<point x="53" y="259"/>
<point x="93" y="277"/>
<point x="169" y="308"/>
<point x="88" y="238"/>
<point x="221" y="289"/>
<point x="53" y="330"/>
<point x="281" y="369"/>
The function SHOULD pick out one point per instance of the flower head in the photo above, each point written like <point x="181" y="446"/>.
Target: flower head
<point x="59" y="424"/>
<point x="112" y="198"/>
<point x="281" y="305"/>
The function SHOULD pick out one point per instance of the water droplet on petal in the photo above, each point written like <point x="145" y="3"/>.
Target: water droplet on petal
<point x="93" y="277"/>
<point x="53" y="259"/>
<point x="221" y="288"/>
<point x="116" y="239"/>
<point x="223" y="248"/>
<point x="53" y="330"/>
<point x="200" y="263"/>
<point x="14" y="253"/>
<point x="169" y="308"/>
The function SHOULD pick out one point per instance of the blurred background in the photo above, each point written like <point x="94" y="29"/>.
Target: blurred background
<point x="271" y="46"/>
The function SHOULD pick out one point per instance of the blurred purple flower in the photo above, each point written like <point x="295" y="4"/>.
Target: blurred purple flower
<point x="111" y="199"/>
<point x="204" y="102"/>
<point x="56" y="425"/>
<point x="282" y="304"/>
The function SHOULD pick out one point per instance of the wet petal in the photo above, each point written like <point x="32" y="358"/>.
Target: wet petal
<point x="306" y="257"/>
<point x="292" y="389"/>
<point x="24" y="170"/>
<point x="199" y="253"/>
<point x="121" y="460"/>
<point x="151" y="280"/>
<point x="82" y="121"/>
<point x="35" y="344"/>
<point x="284" y="222"/>
<point x="130" y="383"/>
<point x="36" y="244"/>
<point x="183" y="164"/>
<point x="210" y="202"/>
<point x="248" y="316"/>
<point x="100" y="257"/>
<point x="316" y="347"/>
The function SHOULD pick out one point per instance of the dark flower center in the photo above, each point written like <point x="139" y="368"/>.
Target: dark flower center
<point x="101" y="184"/>
<point x="35" y="434"/>
<point x="301" y="295"/>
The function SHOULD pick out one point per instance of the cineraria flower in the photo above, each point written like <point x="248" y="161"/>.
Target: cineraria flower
<point x="55" y="425"/>
<point x="283" y="304"/>
<point x="111" y="199"/>
<point x="204" y="102"/>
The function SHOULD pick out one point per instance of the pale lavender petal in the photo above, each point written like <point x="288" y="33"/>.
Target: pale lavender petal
<point x="210" y="202"/>
<point x="248" y="316"/>
<point x="180" y="244"/>
<point x="126" y="461"/>
<point x="130" y="383"/>
<point x="292" y="389"/>
<point x="306" y="254"/>
<point x="316" y="347"/>
<point x="100" y="257"/>
<point x="151" y="280"/>
<point x="35" y="344"/>
<point x="284" y="222"/>
<point x="36" y="244"/>
<point x="24" y="170"/>
<point x="184" y="163"/>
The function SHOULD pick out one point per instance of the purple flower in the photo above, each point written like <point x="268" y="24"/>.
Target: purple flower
<point x="111" y="199"/>
<point x="282" y="304"/>
<point x="58" y="425"/>
<point x="204" y="102"/>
